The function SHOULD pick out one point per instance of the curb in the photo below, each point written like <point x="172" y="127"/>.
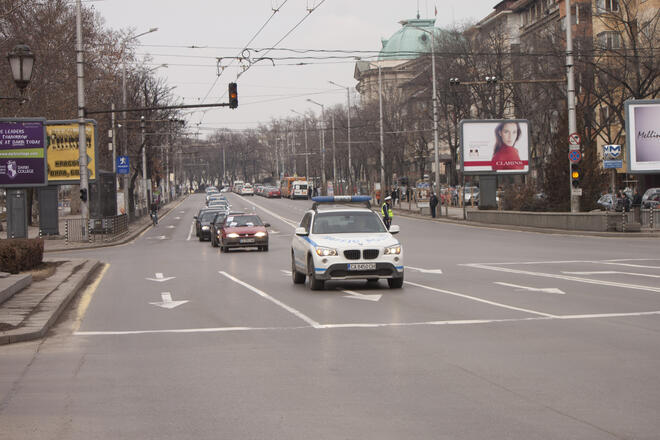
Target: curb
<point x="18" y="283"/>
<point x="50" y="309"/>
<point x="532" y="229"/>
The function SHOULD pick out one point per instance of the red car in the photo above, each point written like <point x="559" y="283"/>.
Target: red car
<point x="243" y="231"/>
<point x="273" y="193"/>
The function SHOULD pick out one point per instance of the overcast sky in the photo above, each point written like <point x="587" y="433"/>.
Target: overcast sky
<point x="221" y="28"/>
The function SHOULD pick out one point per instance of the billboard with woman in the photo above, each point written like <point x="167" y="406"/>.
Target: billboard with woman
<point x="495" y="146"/>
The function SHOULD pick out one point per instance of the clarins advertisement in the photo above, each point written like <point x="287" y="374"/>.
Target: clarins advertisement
<point x="498" y="146"/>
<point x="643" y="135"/>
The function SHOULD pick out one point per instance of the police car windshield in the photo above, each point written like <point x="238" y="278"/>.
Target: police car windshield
<point x="347" y="223"/>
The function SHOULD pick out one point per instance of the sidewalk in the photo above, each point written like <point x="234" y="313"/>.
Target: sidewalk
<point x="54" y="243"/>
<point x="28" y="308"/>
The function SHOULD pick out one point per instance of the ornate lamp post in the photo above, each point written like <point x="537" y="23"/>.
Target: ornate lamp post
<point x="21" y="60"/>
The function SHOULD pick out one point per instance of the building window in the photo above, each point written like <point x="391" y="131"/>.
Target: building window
<point x="609" y="40"/>
<point x="607" y="6"/>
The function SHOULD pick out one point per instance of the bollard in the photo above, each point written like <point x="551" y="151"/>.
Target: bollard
<point x="624" y="219"/>
<point x="651" y="217"/>
<point x="66" y="232"/>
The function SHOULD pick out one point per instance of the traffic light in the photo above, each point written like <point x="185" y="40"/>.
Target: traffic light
<point x="576" y="175"/>
<point x="454" y="81"/>
<point x="83" y="195"/>
<point x="233" y="95"/>
<point x="491" y="80"/>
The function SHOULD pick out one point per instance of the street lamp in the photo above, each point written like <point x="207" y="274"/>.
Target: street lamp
<point x="124" y="104"/>
<point x="435" y="112"/>
<point x="323" y="185"/>
<point x="306" y="150"/>
<point x="382" y="134"/>
<point x="348" y="100"/>
<point x="21" y="61"/>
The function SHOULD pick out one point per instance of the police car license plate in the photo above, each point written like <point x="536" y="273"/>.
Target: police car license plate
<point x="247" y="240"/>
<point x="362" y="266"/>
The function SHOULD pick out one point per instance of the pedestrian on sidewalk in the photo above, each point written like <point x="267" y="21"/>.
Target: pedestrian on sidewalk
<point x="433" y="202"/>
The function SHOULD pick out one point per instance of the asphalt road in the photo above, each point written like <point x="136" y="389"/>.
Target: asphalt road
<point x="496" y="334"/>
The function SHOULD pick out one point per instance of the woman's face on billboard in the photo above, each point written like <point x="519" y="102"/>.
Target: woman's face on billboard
<point x="509" y="133"/>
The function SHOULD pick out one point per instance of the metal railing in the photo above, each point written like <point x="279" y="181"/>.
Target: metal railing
<point x="98" y="230"/>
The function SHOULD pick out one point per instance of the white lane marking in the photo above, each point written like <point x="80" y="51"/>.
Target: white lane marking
<point x="158" y="237"/>
<point x="572" y="261"/>
<point x="286" y="272"/>
<point x="629" y="265"/>
<point x="177" y="218"/>
<point x="170" y="227"/>
<point x="613" y="272"/>
<point x="568" y="278"/>
<point x="355" y="295"/>
<point x="418" y="269"/>
<point x="167" y="302"/>
<point x="473" y="298"/>
<point x="367" y="325"/>
<point x="534" y="289"/>
<point x="182" y="212"/>
<point x="285" y="220"/>
<point x="289" y="309"/>
<point x="192" y="225"/>
<point x="160" y="278"/>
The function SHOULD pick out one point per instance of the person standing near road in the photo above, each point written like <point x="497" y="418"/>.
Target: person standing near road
<point x="386" y="211"/>
<point x="433" y="202"/>
<point x="154" y="212"/>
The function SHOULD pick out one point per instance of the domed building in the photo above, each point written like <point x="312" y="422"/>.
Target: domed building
<point x="408" y="43"/>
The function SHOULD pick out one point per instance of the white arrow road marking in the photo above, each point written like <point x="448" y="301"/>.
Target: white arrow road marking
<point x="160" y="278"/>
<point x="159" y="237"/>
<point x="612" y="272"/>
<point x="355" y="295"/>
<point x="534" y="289"/>
<point x="418" y="269"/>
<point x="167" y="302"/>
<point x="286" y="272"/>
<point x="171" y="227"/>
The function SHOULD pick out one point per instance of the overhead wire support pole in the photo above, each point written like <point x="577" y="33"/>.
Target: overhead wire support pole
<point x="82" y="133"/>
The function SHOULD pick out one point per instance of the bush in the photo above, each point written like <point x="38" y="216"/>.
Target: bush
<point x="20" y="254"/>
<point x="523" y="198"/>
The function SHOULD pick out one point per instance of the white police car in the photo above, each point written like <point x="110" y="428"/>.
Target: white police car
<point x="345" y="243"/>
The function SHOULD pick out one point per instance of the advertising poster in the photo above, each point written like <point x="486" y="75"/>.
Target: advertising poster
<point x="495" y="146"/>
<point x="22" y="153"/>
<point x="63" y="154"/>
<point x="643" y="136"/>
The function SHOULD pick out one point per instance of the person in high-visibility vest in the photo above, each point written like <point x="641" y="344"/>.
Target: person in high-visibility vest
<point x="386" y="211"/>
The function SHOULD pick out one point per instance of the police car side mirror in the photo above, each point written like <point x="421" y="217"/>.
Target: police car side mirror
<point x="266" y="225"/>
<point x="301" y="231"/>
<point x="195" y="217"/>
<point x="395" y="229"/>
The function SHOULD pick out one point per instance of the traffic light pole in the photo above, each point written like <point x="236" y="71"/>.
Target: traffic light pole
<point x="82" y="133"/>
<point x="570" y="92"/>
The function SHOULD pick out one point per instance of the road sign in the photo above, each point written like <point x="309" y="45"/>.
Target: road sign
<point x="574" y="139"/>
<point x="577" y="191"/>
<point x="123" y="165"/>
<point x="574" y="156"/>
<point x="612" y="164"/>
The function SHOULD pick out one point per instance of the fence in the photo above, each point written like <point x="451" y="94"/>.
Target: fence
<point x="98" y="230"/>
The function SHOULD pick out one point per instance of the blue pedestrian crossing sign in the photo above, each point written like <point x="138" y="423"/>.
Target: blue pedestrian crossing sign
<point x="122" y="165"/>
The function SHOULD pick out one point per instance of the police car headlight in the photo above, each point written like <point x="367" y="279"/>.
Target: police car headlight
<point x="260" y="234"/>
<point x="232" y="235"/>
<point x="205" y="228"/>
<point x="393" y="250"/>
<point x="326" y="252"/>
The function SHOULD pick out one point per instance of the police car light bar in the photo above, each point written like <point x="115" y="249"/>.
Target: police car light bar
<point x="340" y="199"/>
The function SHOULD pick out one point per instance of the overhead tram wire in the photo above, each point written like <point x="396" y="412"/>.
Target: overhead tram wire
<point x="309" y="12"/>
<point x="275" y="11"/>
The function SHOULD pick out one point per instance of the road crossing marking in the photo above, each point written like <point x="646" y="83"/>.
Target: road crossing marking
<point x="473" y="298"/>
<point x="612" y="272"/>
<point x="289" y="309"/>
<point x="567" y="278"/>
<point x="369" y="325"/>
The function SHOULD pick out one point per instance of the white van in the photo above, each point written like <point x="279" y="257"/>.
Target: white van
<point x="299" y="189"/>
<point x="247" y="190"/>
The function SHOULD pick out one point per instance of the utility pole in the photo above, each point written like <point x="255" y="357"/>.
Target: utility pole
<point x="145" y="194"/>
<point x="334" y="157"/>
<point x="82" y="133"/>
<point x="570" y="93"/>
